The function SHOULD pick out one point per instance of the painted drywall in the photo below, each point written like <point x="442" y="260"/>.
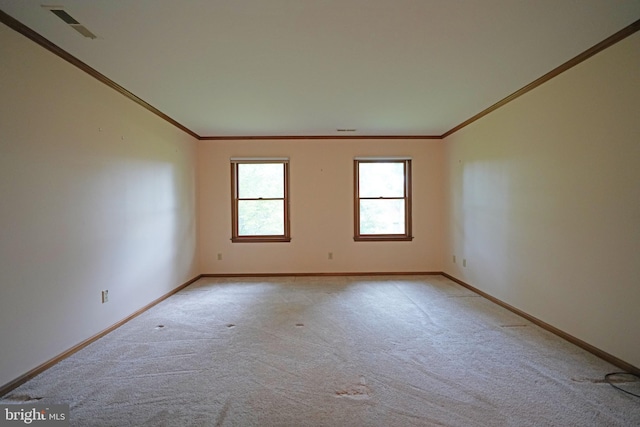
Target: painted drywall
<point x="544" y="201"/>
<point x="321" y="200"/>
<point x="95" y="193"/>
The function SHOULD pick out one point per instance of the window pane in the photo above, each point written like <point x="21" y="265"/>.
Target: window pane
<point x="382" y="217"/>
<point x="260" y="180"/>
<point x="381" y="179"/>
<point x="260" y="217"/>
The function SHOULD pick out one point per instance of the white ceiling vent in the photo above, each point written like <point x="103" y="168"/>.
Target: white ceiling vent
<point x="70" y="20"/>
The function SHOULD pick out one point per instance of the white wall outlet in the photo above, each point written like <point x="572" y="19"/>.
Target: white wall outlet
<point x="464" y="262"/>
<point x="219" y="257"/>
<point x="105" y="296"/>
<point x="330" y="255"/>
<point x="454" y="259"/>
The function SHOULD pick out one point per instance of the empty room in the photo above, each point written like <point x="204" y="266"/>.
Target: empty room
<point x="320" y="213"/>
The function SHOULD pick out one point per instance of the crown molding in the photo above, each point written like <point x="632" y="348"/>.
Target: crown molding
<point x="37" y="38"/>
<point x="55" y="49"/>
<point x="609" y="41"/>
<point x="267" y="137"/>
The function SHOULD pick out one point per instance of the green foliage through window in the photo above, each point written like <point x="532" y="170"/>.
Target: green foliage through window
<point x="260" y="201"/>
<point x="383" y="199"/>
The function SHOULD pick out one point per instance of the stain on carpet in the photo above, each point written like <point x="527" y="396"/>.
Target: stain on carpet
<point x="358" y="391"/>
<point x="21" y="398"/>
<point x="223" y="413"/>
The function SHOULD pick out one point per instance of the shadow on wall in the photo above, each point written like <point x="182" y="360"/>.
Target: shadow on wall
<point x="157" y="229"/>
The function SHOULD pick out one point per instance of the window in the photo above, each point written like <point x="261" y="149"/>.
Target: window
<point x="382" y="203"/>
<point x="260" y="200"/>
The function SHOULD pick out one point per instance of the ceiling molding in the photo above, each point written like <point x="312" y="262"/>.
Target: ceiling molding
<point x="34" y="36"/>
<point x="37" y="38"/>
<point x="266" y="137"/>
<point x="609" y="41"/>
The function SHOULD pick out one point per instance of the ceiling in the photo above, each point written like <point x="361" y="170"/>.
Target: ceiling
<point x="232" y="68"/>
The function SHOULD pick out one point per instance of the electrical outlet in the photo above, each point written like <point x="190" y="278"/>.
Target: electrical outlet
<point x="454" y="259"/>
<point x="105" y="296"/>
<point x="330" y="255"/>
<point x="219" y="257"/>
<point x="464" y="262"/>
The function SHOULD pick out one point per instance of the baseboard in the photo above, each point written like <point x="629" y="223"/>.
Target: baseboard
<point x="6" y="388"/>
<point x="381" y="273"/>
<point x="568" y="337"/>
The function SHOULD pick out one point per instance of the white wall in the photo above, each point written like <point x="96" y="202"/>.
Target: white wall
<point x="81" y="208"/>
<point x="541" y="197"/>
<point x="321" y="203"/>
<point x="544" y="201"/>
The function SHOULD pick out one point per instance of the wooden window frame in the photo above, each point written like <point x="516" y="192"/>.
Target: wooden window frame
<point x="406" y="236"/>
<point x="235" y="236"/>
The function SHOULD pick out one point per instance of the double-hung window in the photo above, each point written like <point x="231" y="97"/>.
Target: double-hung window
<point x="260" y="199"/>
<point x="382" y="202"/>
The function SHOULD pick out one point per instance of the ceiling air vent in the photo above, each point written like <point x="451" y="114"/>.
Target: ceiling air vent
<point x="70" y="20"/>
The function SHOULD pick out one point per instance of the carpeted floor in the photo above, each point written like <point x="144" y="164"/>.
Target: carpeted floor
<point x="332" y="351"/>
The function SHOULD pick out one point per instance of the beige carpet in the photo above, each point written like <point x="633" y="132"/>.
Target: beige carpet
<point x="332" y="351"/>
